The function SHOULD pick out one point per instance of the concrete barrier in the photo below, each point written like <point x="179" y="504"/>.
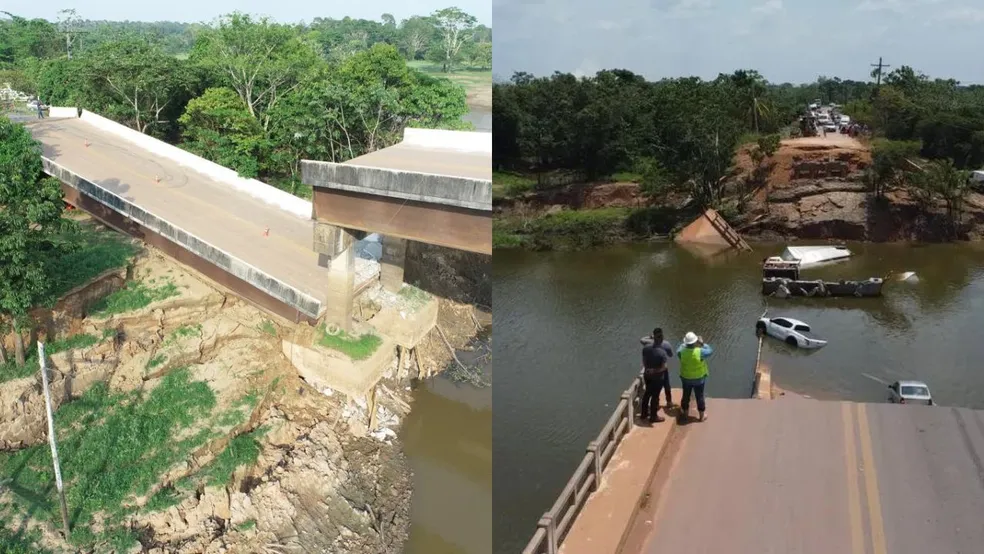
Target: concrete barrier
<point x="62" y="111"/>
<point x="257" y="189"/>
<point x="221" y="259"/>
<point x="463" y="141"/>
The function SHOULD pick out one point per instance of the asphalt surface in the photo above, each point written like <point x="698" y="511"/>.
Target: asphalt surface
<point x="804" y="476"/>
<point x="218" y="214"/>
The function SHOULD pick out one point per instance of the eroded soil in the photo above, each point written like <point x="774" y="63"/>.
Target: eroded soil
<point x="321" y="482"/>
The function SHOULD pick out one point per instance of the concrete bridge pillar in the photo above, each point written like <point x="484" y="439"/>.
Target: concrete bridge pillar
<point x="392" y="263"/>
<point x="336" y="251"/>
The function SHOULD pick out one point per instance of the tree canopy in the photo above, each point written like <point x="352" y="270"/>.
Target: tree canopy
<point x="248" y="92"/>
<point x="689" y="128"/>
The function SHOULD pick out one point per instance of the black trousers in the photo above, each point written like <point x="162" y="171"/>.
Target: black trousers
<point x="650" y="397"/>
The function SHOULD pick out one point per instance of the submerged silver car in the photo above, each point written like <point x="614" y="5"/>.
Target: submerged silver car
<point x="910" y="392"/>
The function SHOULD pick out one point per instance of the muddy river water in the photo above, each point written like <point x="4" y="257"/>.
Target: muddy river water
<point x="448" y="440"/>
<point x="568" y="343"/>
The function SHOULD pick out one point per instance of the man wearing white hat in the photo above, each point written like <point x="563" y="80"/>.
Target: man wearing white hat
<point x="693" y="355"/>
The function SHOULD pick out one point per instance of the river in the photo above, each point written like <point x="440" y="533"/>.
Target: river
<point x="568" y="343"/>
<point x="480" y="117"/>
<point x="448" y="440"/>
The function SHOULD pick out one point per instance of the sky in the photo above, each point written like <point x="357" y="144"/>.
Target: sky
<point x="287" y="11"/>
<point x="785" y="40"/>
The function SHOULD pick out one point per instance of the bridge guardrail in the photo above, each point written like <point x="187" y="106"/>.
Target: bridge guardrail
<point x="555" y="523"/>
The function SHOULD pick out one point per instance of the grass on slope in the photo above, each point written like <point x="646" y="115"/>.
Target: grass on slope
<point x="113" y="448"/>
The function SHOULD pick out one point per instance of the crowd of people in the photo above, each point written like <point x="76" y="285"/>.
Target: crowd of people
<point x="692" y="354"/>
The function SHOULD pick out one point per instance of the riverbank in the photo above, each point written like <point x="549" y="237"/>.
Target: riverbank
<point x="803" y="197"/>
<point x="183" y="427"/>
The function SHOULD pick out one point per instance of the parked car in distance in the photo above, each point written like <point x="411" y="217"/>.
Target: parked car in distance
<point x="910" y="392"/>
<point x="791" y="331"/>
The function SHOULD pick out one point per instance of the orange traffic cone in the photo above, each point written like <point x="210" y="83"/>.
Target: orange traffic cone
<point x="266" y="232"/>
<point x="157" y="179"/>
<point x="86" y="144"/>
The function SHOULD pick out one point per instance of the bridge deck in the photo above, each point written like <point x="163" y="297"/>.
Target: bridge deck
<point x="805" y="476"/>
<point x="213" y="211"/>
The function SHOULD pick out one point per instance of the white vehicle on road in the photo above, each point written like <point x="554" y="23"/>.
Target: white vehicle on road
<point x="791" y="331"/>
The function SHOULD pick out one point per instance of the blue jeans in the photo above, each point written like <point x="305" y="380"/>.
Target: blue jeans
<point x="695" y="386"/>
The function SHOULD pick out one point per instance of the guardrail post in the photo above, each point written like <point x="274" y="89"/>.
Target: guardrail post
<point x="548" y="525"/>
<point x="627" y="396"/>
<point x="596" y="458"/>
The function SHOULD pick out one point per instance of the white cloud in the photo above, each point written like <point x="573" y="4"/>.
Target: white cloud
<point x="608" y="25"/>
<point x="881" y="6"/>
<point x="769" y="7"/>
<point x="689" y="8"/>
<point x="965" y="14"/>
<point x="588" y="68"/>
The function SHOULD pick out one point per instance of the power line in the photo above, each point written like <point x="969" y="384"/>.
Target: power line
<point x="878" y="71"/>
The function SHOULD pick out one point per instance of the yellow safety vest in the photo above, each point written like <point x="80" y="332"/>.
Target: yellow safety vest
<point x="691" y="364"/>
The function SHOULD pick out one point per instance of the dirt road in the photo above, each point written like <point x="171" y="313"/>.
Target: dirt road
<point x="803" y="476"/>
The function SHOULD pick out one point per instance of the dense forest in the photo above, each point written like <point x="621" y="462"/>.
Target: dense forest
<point x="684" y="133"/>
<point x="250" y="93"/>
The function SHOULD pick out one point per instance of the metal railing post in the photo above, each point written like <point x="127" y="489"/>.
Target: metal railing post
<point x="548" y="525"/>
<point x="628" y="407"/>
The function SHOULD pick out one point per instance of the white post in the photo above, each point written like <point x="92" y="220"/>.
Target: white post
<point x="51" y="437"/>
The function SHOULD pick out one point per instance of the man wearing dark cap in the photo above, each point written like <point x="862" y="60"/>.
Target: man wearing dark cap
<point x="655" y="374"/>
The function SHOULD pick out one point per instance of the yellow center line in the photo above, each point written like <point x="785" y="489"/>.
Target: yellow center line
<point x="853" y="493"/>
<point x="871" y="485"/>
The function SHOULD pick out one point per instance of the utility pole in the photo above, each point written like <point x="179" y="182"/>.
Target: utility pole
<point x="69" y="22"/>
<point x="51" y="438"/>
<point x="878" y="71"/>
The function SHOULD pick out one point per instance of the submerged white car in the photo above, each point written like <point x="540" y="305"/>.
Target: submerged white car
<point x="910" y="392"/>
<point x="791" y="331"/>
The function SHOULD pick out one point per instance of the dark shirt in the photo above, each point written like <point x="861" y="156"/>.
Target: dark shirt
<point x="655" y="356"/>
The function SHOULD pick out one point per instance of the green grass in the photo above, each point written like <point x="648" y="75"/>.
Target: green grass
<point x="156" y="361"/>
<point x="116" y="446"/>
<point x="10" y="370"/>
<point x="246" y="525"/>
<point x="19" y="542"/>
<point x="414" y="297"/>
<point x="576" y="229"/>
<point x="268" y="328"/>
<point x="134" y="296"/>
<point x="92" y="250"/>
<point x="73" y="342"/>
<point x="626" y="177"/>
<point x="507" y="185"/>
<point x="357" y="348"/>
<point x="183" y="332"/>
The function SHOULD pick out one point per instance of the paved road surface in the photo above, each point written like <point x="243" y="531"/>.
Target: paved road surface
<point x="215" y="212"/>
<point x="802" y="476"/>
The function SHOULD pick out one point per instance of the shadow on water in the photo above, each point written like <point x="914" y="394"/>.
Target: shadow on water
<point x="448" y="440"/>
<point x="569" y="327"/>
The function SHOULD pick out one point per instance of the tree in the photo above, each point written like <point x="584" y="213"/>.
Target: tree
<point x="455" y="27"/>
<point x="483" y="55"/>
<point x="388" y="20"/>
<point x="142" y="79"/>
<point x="361" y="106"/>
<point x="218" y="127"/>
<point x="942" y="180"/>
<point x="416" y="35"/>
<point x="30" y="219"/>
<point x="261" y="60"/>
